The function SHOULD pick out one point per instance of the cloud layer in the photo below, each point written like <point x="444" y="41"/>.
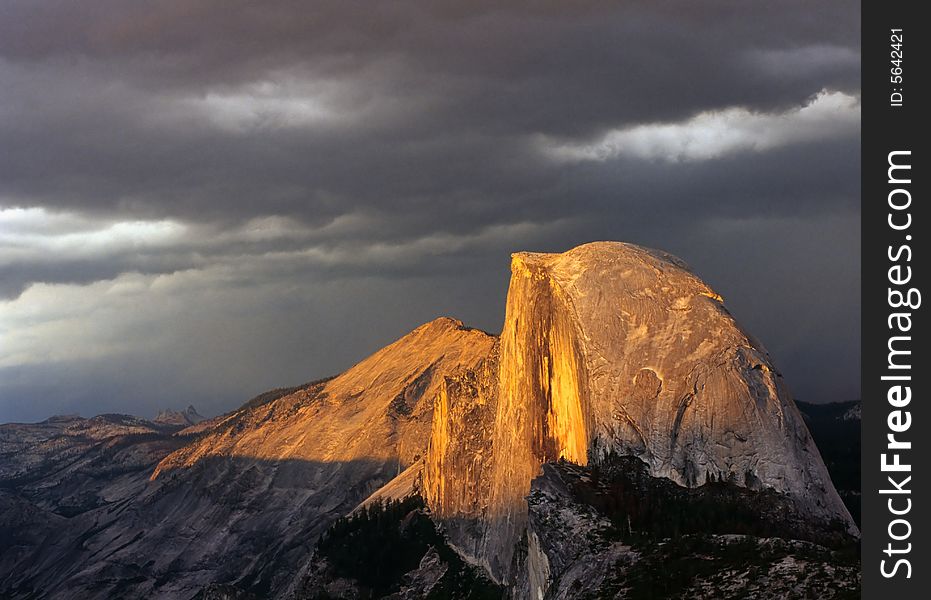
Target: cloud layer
<point x="202" y="199"/>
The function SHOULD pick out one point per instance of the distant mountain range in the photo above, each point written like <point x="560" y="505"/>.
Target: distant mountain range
<point x="622" y="438"/>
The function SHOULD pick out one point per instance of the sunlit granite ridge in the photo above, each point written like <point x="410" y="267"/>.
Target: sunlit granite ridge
<point x="611" y="347"/>
<point x="608" y="349"/>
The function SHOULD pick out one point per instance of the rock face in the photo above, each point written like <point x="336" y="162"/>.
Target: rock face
<point x="68" y="465"/>
<point x="575" y="551"/>
<point x="380" y="411"/>
<point x="457" y="478"/>
<point x="608" y="349"/>
<point x="561" y="559"/>
<point x="615" y="348"/>
<point x="185" y="418"/>
<point x="242" y="502"/>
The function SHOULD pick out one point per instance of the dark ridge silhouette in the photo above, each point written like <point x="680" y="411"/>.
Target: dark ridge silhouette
<point x="836" y="429"/>
<point x="378" y="547"/>
<point x="644" y="508"/>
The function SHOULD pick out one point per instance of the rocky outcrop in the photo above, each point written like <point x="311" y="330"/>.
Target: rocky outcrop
<point x="391" y="550"/>
<point x="457" y="479"/>
<point x="607" y="350"/>
<point x="614" y="348"/>
<point x="243" y="502"/>
<point x="379" y="411"/>
<point x="569" y="550"/>
<point x="614" y="531"/>
<point x="184" y="418"/>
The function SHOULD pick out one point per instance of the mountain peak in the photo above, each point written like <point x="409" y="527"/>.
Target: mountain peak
<point x="614" y="361"/>
<point x="188" y="416"/>
<point x="612" y="348"/>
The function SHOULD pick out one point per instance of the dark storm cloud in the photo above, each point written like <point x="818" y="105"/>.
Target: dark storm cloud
<point x="291" y="146"/>
<point x="433" y="86"/>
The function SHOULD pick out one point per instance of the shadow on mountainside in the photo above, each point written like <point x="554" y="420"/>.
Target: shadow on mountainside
<point x="835" y="427"/>
<point x="84" y="520"/>
<point x="248" y="522"/>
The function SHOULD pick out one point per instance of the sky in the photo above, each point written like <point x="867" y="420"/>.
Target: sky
<point x="204" y="199"/>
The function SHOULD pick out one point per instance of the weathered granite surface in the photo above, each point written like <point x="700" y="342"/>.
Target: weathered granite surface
<point x="611" y="347"/>
<point x="607" y="348"/>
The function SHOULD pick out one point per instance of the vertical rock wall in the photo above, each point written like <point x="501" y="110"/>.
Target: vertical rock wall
<point x="542" y="411"/>
<point x="457" y="477"/>
<point x="613" y="348"/>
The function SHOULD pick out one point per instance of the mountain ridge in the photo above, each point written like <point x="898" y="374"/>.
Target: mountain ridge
<point x="607" y="349"/>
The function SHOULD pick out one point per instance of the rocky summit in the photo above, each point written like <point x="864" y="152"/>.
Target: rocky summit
<point x="613" y="348"/>
<point x="186" y="417"/>
<point x="621" y="423"/>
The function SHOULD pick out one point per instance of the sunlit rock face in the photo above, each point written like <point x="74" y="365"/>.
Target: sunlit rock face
<point x="606" y="348"/>
<point x="457" y="477"/>
<point x="239" y="501"/>
<point x="610" y="347"/>
<point x="543" y="410"/>
<point x="379" y="411"/>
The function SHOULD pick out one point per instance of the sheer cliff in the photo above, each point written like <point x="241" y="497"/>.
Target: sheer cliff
<point x="614" y="348"/>
<point x="607" y="350"/>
